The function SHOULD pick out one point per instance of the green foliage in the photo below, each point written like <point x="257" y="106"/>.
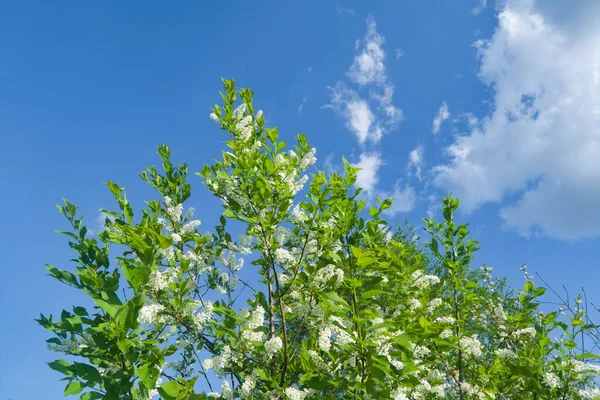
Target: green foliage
<point x="338" y="307"/>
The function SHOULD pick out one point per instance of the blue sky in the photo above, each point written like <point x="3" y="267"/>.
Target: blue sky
<point x="497" y="103"/>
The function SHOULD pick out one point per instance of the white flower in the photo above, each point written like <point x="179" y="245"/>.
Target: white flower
<point x="293" y="393"/>
<point x="298" y="213"/>
<point x="470" y="346"/>
<point x="273" y="345"/>
<point x="551" y="379"/>
<point x="158" y="281"/>
<point x="190" y="226"/>
<point x="214" y="117"/>
<point x="308" y="160"/>
<point x="530" y="332"/>
<point x="149" y="313"/>
<point x="433" y="304"/>
<point x="414" y="304"/>
<point x="423" y="281"/>
<point x="446" y="333"/>
<point x="201" y="318"/>
<point x="324" y="340"/>
<point x="506" y="354"/>
<point x="445" y="320"/>
<point x="248" y="386"/>
<point x="283" y="256"/>
<point x="239" y="111"/>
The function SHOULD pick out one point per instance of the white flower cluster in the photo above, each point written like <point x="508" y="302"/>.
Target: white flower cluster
<point x="220" y="362"/>
<point x="433" y="304"/>
<point x="149" y="314"/>
<point x="414" y="304"/>
<point x="470" y="346"/>
<point x="446" y="334"/>
<point x="324" y="275"/>
<point x="294" y="393"/>
<point x="226" y="392"/>
<point x="273" y="345"/>
<point x="529" y="333"/>
<point x="284" y="257"/>
<point x="173" y="211"/>
<point x="308" y="160"/>
<point x="551" y="380"/>
<point x="590" y="394"/>
<point x="159" y="281"/>
<point x="299" y="214"/>
<point x="506" y="354"/>
<point x="256" y="321"/>
<point x="445" y="320"/>
<point x="422" y="281"/>
<point x="201" y="318"/>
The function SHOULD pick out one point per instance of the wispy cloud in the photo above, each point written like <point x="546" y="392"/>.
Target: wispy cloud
<point x="415" y="160"/>
<point x="302" y="103"/>
<point x="368" y="67"/>
<point x="370" y="117"/>
<point x="339" y="10"/>
<point x="442" y="115"/>
<point x="356" y="112"/>
<point x="399" y="53"/>
<point x="479" y="8"/>
<point x="100" y="222"/>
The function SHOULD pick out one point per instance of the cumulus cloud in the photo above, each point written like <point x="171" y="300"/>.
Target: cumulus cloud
<point x="403" y="199"/>
<point x="366" y="177"/>
<point x="538" y="151"/>
<point x="442" y="115"/>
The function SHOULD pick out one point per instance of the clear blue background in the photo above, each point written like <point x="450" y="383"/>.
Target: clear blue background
<point x="89" y="89"/>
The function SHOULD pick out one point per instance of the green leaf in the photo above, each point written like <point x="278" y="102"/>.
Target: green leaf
<point x="373" y="293"/>
<point x="91" y="396"/>
<point x="110" y="310"/>
<point x="170" y="390"/>
<point x="61" y="366"/>
<point x="73" y="388"/>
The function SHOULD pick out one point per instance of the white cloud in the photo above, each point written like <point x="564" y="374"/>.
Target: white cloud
<point x="415" y="160"/>
<point x="302" y="103"/>
<point x="368" y="66"/>
<point x="399" y="53"/>
<point x="341" y="11"/>
<point x="541" y="143"/>
<point x="99" y="223"/>
<point x="356" y="111"/>
<point x="480" y="7"/>
<point x="368" y="118"/>
<point x="367" y="177"/>
<point x="442" y="115"/>
<point x="331" y="167"/>
<point x="403" y="199"/>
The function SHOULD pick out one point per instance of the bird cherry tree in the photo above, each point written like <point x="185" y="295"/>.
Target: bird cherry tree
<point x="331" y="305"/>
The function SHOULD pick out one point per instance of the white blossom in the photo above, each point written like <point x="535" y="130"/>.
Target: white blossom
<point x="149" y="313"/>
